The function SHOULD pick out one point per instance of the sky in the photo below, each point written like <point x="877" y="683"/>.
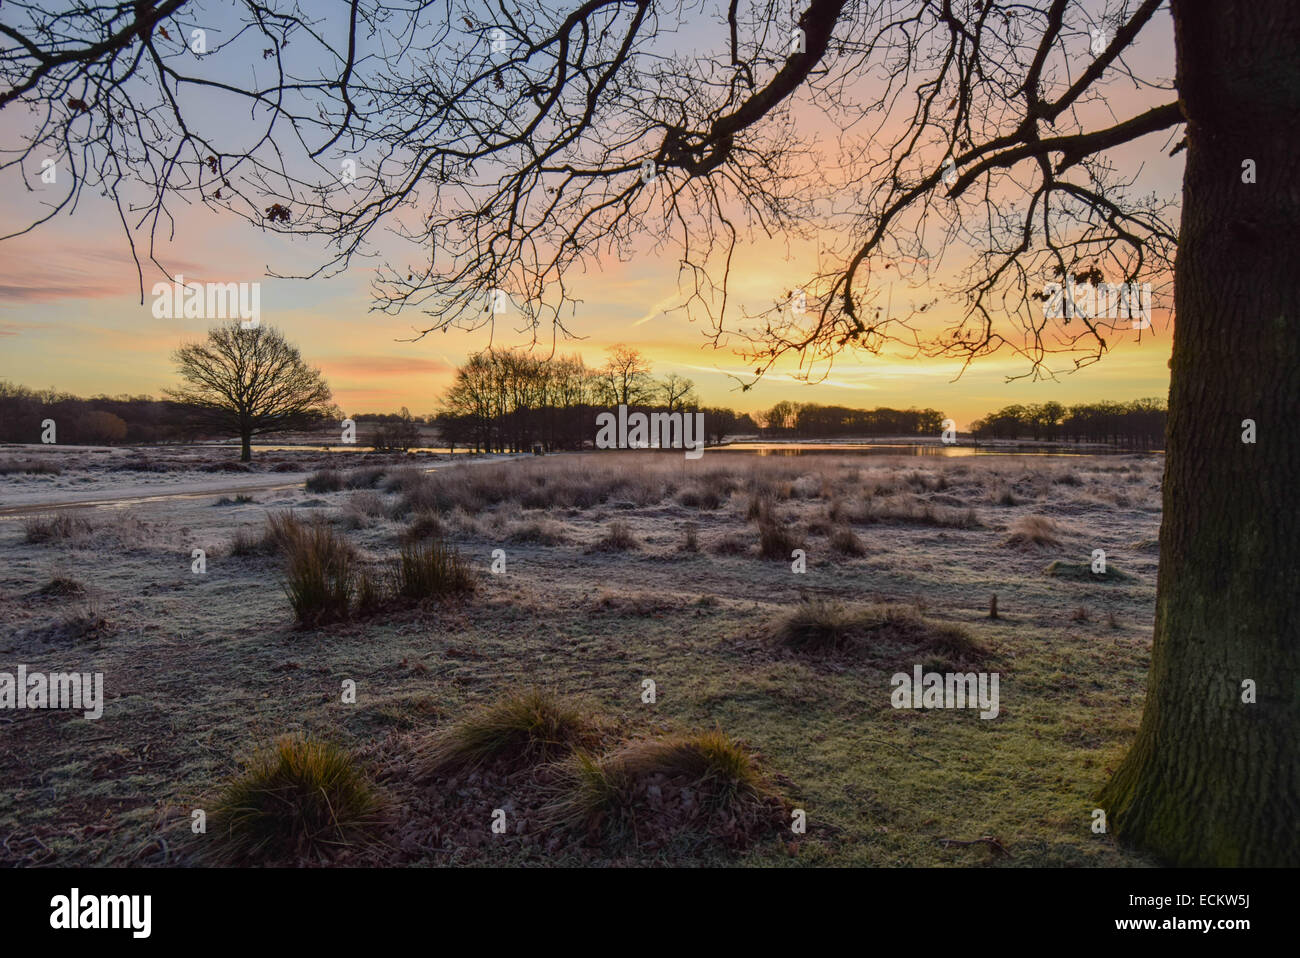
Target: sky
<point x="71" y="319"/>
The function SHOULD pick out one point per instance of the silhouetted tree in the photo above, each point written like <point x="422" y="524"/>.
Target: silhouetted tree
<point x="249" y="382"/>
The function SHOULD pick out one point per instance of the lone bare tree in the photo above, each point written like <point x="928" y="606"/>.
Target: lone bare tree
<point x="514" y="145"/>
<point x="249" y="382"/>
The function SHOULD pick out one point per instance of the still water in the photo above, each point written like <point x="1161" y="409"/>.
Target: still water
<point x="810" y="449"/>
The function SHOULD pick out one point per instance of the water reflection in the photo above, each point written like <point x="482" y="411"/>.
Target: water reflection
<point x="914" y="449"/>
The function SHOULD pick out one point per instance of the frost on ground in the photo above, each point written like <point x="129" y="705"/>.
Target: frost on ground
<point x="618" y="568"/>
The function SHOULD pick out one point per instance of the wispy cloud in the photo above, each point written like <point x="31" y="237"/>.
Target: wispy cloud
<point x="385" y="366"/>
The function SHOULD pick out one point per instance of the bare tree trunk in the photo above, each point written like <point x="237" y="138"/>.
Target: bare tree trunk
<point x="1211" y="778"/>
<point x="245" y="445"/>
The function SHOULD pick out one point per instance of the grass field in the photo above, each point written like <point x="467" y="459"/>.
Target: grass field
<point x="618" y="568"/>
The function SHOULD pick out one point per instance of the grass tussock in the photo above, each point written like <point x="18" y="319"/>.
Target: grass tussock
<point x="301" y="799"/>
<point x="60" y="587"/>
<point x="59" y="527"/>
<point x="1033" y="532"/>
<point x="845" y="542"/>
<point x="431" y="569"/>
<point x="362" y="509"/>
<point x="424" y="525"/>
<point x="366" y="477"/>
<point x="731" y="544"/>
<point x="1082" y="572"/>
<point x="527" y="727"/>
<point x="618" y="538"/>
<point x="325" y="480"/>
<point x="320" y="575"/>
<point x="82" y="625"/>
<point x="911" y="511"/>
<point x="29" y="467"/>
<point x="283" y="532"/>
<point x="667" y="791"/>
<point x="542" y="532"/>
<point x="777" y="540"/>
<point x="819" y="626"/>
<point x="236" y="501"/>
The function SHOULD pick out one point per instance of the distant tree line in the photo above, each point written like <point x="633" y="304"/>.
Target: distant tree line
<point x="98" y="420"/>
<point x="790" y="420"/>
<point x="1139" y="424"/>
<point x="505" y="400"/>
<point x="105" y="420"/>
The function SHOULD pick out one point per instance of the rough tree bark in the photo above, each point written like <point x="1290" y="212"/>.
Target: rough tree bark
<point x="1212" y="780"/>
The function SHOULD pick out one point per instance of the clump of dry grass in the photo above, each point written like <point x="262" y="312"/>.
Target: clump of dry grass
<point x="844" y="542"/>
<point x="361" y="509"/>
<point x="640" y="604"/>
<point x="546" y="532"/>
<point x="1082" y="572"/>
<point x="403" y="479"/>
<point x="776" y="540"/>
<point x="365" y="477"/>
<point x="731" y="544"/>
<point x="81" y="625"/>
<point x="301" y="799"/>
<point x="544" y="484"/>
<point x="691" y="538"/>
<point x="319" y="576"/>
<point x="524" y="727"/>
<point x="247" y="542"/>
<point x="760" y="507"/>
<point x="924" y="482"/>
<point x="697" y="496"/>
<point x="30" y="467"/>
<point x="1001" y="494"/>
<point x="59" y="527"/>
<point x="283" y="530"/>
<point x="618" y="538"/>
<point x="1030" y="532"/>
<point x="325" y="480"/>
<point x="827" y="625"/>
<point x="240" y="500"/>
<point x="424" y="525"/>
<point x="660" y="791"/>
<point x="431" y="570"/>
<point x="909" y="510"/>
<point x="60" y="587"/>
